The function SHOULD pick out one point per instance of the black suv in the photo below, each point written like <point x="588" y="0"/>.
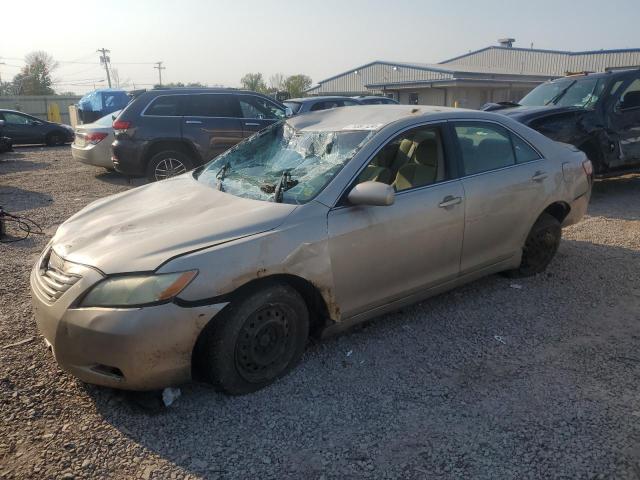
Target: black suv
<point x="165" y="132"/>
<point x="599" y="113"/>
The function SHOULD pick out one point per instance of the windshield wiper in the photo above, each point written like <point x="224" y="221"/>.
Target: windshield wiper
<point x="560" y="94"/>
<point x="284" y="184"/>
<point x="221" y="174"/>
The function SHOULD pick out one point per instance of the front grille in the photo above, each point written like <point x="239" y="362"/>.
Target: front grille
<point x="51" y="280"/>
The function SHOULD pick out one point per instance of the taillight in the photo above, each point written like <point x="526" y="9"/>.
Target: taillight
<point x="588" y="169"/>
<point x="121" y="125"/>
<point x="94" y="138"/>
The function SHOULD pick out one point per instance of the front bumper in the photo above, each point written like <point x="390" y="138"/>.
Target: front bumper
<point x="134" y="349"/>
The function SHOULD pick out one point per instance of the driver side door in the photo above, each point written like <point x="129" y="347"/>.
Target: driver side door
<point x="20" y="128"/>
<point x="624" y="122"/>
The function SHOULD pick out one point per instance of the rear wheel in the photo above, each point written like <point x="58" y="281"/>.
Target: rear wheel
<point x="255" y="341"/>
<point x="168" y="163"/>
<point x="540" y="247"/>
<point x="55" y="139"/>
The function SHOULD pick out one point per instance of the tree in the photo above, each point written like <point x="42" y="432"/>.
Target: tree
<point x="35" y="76"/>
<point x="253" y="82"/>
<point x="297" y="84"/>
<point x="276" y="82"/>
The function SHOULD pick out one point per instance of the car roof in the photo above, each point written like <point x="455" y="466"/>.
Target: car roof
<point x="609" y="73"/>
<point x="187" y="90"/>
<point x="319" y="99"/>
<point x="369" y="117"/>
<point x="370" y="97"/>
<point x="6" y="110"/>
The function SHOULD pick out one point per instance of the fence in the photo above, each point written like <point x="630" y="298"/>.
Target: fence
<point x="41" y="106"/>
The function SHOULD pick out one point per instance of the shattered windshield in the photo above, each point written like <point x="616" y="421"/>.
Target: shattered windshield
<point x="569" y="92"/>
<point x="282" y="164"/>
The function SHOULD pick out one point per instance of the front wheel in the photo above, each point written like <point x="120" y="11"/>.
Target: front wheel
<point x="540" y="247"/>
<point x="168" y="164"/>
<point x="255" y="341"/>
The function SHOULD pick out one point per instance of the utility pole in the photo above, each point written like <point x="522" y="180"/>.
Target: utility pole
<point x="104" y="59"/>
<point x="1" y="63"/>
<point x="160" y="68"/>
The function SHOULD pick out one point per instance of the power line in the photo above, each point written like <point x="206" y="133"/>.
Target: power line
<point x="160" y="68"/>
<point x="105" y="60"/>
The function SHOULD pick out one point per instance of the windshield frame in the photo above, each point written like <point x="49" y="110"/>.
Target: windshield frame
<point x="367" y="135"/>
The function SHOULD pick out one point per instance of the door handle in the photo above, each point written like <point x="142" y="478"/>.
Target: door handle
<point x="250" y="124"/>
<point x="193" y="122"/>
<point x="449" y="201"/>
<point x="539" y="176"/>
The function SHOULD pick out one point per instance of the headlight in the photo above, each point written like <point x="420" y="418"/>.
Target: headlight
<point x="137" y="290"/>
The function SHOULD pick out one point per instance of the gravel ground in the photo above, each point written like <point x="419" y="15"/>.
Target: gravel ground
<point x="499" y="379"/>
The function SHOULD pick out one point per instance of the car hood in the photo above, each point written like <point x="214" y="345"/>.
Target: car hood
<point x="524" y="113"/>
<point x="139" y="229"/>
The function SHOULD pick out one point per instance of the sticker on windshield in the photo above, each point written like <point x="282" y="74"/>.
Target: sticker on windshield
<point x="363" y="126"/>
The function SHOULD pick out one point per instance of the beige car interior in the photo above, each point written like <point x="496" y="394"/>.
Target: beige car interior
<point x="413" y="160"/>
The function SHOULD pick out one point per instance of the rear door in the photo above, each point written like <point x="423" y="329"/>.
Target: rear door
<point x="624" y="121"/>
<point x="258" y="113"/>
<point x="506" y="187"/>
<point x="211" y="122"/>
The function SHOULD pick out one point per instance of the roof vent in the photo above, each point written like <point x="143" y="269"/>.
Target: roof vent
<point x="506" y="42"/>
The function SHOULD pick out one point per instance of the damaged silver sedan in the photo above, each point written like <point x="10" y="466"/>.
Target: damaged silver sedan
<point x="316" y="223"/>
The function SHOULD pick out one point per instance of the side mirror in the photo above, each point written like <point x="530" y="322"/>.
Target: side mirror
<point x="372" y="193"/>
<point x="288" y="112"/>
<point x="36" y="122"/>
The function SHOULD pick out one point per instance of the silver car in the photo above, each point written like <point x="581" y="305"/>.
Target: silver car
<point x="318" y="222"/>
<point x="92" y="143"/>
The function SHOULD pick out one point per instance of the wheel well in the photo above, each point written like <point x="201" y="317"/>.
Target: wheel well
<point x="178" y="145"/>
<point x="317" y="307"/>
<point x="559" y="210"/>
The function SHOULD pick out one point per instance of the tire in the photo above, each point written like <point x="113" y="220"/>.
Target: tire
<point x="54" y="139"/>
<point x="255" y="341"/>
<point x="540" y="247"/>
<point x="167" y="164"/>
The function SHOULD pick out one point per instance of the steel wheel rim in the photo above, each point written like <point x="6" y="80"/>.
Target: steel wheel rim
<point x="169" y="167"/>
<point x="265" y="343"/>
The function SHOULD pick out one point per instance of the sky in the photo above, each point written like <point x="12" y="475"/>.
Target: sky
<point x="216" y="42"/>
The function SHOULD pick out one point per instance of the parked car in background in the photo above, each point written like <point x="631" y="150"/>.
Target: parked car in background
<point x="5" y="142"/>
<point x="375" y="100"/>
<point x="319" y="222"/>
<point x="97" y="104"/>
<point x="25" y="129"/>
<point x="165" y="132"/>
<point x="313" y="104"/>
<point x="92" y="144"/>
<point x="599" y="113"/>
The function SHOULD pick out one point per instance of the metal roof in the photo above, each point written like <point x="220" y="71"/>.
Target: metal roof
<point x="491" y="64"/>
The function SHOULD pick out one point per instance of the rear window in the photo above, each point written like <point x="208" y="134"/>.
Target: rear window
<point x="164" y="106"/>
<point x="294" y="106"/>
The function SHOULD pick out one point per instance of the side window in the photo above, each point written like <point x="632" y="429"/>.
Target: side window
<point x="165" y="106"/>
<point x="326" y="105"/>
<point x="15" y="119"/>
<point x="484" y="147"/>
<point x="211" y="105"/>
<point x="630" y="98"/>
<point x="524" y="153"/>
<point x="349" y="103"/>
<point x="413" y="159"/>
<point x="260" y="108"/>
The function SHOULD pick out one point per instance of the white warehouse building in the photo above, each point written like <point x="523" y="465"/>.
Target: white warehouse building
<point x="492" y="74"/>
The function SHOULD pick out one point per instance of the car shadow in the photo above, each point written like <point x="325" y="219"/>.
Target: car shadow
<point x="456" y="366"/>
<point x="14" y="199"/>
<point x="616" y="198"/>
<point x="115" y="178"/>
